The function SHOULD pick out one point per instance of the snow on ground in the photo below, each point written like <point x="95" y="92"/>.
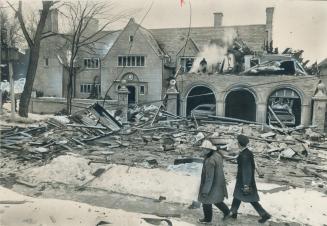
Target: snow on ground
<point x="32" y="211"/>
<point x="151" y="183"/>
<point x="68" y="169"/>
<point x="32" y="118"/>
<point x="18" y="85"/>
<point x="299" y="205"/>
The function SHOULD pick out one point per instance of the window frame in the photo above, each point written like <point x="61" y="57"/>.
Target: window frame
<point x="87" y="87"/>
<point x="184" y="59"/>
<point x="142" y="93"/>
<point x="131" y="61"/>
<point x="46" y="62"/>
<point x="89" y="62"/>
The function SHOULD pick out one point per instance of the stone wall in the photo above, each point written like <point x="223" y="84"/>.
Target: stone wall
<point x="260" y="86"/>
<point x="46" y="105"/>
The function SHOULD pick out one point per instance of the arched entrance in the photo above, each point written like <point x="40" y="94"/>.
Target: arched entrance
<point x="286" y="104"/>
<point x="241" y="104"/>
<point x="199" y="95"/>
<point x="131" y="94"/>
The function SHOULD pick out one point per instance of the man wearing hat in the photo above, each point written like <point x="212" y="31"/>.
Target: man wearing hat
<point x="245" y="188"/>
<point x="213" y="185"/>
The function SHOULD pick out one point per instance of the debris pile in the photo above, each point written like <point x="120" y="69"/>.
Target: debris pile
<point x="153" y="138"/>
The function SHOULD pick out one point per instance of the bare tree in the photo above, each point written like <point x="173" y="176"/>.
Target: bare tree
<point x="79" y="16"/>
<point x="34" y="42"/>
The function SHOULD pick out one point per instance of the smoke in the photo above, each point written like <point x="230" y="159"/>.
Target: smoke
<point x="216" y="51"/>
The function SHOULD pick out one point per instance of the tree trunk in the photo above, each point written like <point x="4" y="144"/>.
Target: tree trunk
<point x="28" y="87"/>
<point x="70" y="90"/>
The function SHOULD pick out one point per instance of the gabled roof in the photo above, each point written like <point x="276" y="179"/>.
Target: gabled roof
<point x="103" y="45"/>
<point x="151" y="40"/>
<point x="171" y="40"/>
<point x="188" y="43"/>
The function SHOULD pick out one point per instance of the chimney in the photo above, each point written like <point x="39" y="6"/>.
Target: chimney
<point x="218" y="19"/>
<point x="269" y="15"/>
<point x="269" y="23"/>
<point x="51" y="24"/>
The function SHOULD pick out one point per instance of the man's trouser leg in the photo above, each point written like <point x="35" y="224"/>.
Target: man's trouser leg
<point x="260" y="210"/>
<point x="207" y="210"/>
<point x="235" y="205"/>
<point x="223" y="208"/>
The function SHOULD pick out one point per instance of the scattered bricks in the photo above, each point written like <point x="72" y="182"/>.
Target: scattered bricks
<point x="268" y="135"/>
<point x="313" y="135"/>
<point x="168" y="147"/>
<point x="178" y="134"/>
<point x="168" y="141"/>
<point x="289" y="138"/>
<point x="156" y="138"/>
<point x="152" y="161"/>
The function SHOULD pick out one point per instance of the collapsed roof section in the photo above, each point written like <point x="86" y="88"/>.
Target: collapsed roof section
<point x="276" y="65"/>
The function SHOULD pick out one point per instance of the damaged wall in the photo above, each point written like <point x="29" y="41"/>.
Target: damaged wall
<point x="261" y="86"/>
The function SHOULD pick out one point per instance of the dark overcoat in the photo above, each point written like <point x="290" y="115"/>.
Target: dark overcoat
<point x="245" y="176"/>
<point x="212" y="180"/>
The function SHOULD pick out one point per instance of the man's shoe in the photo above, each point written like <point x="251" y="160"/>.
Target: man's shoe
<point x="226" y="215"/>
<point x="264" y="218"/>
<point x="230" y="215"/>
<point x="204" y="221"/>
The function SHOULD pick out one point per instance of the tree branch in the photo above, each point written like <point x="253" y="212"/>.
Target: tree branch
<point x="22" y="23"/>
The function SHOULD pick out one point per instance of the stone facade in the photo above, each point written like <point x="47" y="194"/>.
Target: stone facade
<point x="149" y="76"/>
<point x="161" y="48"/>
<point x="260" y="87"/>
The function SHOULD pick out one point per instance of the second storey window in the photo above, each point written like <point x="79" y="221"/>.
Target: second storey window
<point x="131" y="61"/>
<point x="91" y="63"/>
<point x="186" y="63"/>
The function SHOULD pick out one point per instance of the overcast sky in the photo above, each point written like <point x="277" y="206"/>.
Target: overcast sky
<point x="300" y="24"/>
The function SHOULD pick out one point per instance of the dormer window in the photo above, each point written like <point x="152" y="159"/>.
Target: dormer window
<point x="131" y="38"/>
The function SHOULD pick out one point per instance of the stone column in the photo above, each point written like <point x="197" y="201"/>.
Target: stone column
<point x="319" y="107"/>
<point x="123" y="100"/>
<point x="220" y="108"/>
<point x="261" y="113"/>
<point x="172" y="95"/>
<point x="305" y="114"/>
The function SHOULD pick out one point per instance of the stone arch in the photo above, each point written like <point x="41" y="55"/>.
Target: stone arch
<point x="286" y="101"/>
<point x="197" y="94"/>
<point x="241" y="102"/>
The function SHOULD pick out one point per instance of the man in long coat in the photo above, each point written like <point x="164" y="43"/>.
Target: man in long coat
<point x="245" y="188"/>
<point x="213" y="186"/>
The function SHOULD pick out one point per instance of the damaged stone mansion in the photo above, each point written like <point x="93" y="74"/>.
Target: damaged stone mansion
<point x="231" y="71"/>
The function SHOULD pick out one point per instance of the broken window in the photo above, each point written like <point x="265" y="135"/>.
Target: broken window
<point x="277" y="67"/>
<point x="186" y="63"/>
